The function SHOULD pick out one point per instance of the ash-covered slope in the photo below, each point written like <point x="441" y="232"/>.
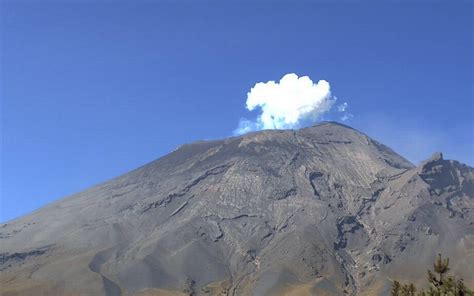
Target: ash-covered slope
<point x="319" y="211"/>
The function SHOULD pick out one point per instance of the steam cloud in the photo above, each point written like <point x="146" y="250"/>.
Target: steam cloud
<point x="288" y="103"/>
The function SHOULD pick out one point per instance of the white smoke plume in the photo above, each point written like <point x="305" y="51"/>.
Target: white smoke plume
<point x="286" y="104"/>
<point x="343" y="109"/>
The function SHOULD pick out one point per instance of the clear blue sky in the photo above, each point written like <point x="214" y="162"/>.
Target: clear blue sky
<point x="92" y="90"/>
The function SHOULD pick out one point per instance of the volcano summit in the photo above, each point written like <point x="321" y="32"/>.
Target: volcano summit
<point x="323" y="210"/>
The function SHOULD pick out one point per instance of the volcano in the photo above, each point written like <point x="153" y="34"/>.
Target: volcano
<point x="323" y="210"/>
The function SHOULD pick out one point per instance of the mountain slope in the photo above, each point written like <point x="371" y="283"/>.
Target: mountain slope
<point x="320" y="210"/>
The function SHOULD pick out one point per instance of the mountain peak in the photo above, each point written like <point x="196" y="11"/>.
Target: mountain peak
<point x="333" y="123"/>
<point x="437" y="156"/>
<point x="262" y="212"/>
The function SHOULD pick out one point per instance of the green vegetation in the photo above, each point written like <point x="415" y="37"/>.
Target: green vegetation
<point x="440" y="284"/>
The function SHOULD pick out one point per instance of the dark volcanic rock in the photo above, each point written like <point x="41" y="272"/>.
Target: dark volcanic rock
<point x="323" y="208"/>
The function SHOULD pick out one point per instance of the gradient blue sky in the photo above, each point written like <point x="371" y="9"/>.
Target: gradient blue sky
<point x="91" y="90"/>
